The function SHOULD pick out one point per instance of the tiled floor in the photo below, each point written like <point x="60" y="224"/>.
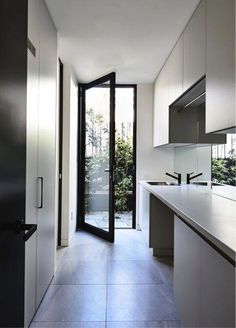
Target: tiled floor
<point x="103" y="285"/>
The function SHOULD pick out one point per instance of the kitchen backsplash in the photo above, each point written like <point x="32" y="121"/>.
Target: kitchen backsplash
<point x="217" y="162"/>
<point x="195" y="159"/>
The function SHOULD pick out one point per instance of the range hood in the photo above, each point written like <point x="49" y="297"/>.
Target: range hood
<point x="187" y="118"/>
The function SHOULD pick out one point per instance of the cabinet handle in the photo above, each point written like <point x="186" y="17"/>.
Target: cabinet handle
<point x="40" y="192"/>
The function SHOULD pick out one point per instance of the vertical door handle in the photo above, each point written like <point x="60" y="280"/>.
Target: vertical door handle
<point x="40" y="192"/>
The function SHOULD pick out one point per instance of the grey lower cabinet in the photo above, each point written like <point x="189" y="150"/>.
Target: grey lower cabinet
<point x="161" y="228"/>
<point x="156" y="221"/>
<point x="217" y="299"/>
<point x="204" y="281"/>
<point x="187" y="248"/>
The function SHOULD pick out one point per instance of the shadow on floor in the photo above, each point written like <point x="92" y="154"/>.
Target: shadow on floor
<point x="102" y="285"/>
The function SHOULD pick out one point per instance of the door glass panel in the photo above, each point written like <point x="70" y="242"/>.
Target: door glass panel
<point x="97" y="158"/>
<point x="124" y="157"/>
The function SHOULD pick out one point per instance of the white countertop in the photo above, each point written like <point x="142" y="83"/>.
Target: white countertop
<point x="212" y="215"/>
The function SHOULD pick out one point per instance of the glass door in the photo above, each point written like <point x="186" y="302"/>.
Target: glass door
<point x="97" y="159"/>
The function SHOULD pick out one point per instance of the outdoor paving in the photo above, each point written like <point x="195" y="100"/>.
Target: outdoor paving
<point x="100" y="219"/>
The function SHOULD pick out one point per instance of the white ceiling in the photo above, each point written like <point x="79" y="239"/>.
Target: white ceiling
<point x="130" y="37"/>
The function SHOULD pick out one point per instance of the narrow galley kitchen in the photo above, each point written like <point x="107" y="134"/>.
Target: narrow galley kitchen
<point x="117" y="164"/>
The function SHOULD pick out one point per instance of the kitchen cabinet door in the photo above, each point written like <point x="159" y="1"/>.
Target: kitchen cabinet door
<point x="195" y="47"/>
<point x="175" y="66"/>
<point x="46" y="152"/>
<point x="187" y="273"/>
<point x="161" y="109"/>
<point x="220" y="67"/>
<point x="31" y="159"/>
<point x="217" y="302"/>
<point x="204" y="281"/>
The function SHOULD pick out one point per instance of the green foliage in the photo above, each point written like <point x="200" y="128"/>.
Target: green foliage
<point x="95" y="179"/>
<point x="123" y="172"/>
<point x="94" y="129"/>
<point x="94" y="172"/>
<point x="224" y="170"/>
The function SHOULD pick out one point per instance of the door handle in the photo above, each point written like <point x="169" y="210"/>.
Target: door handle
<point x="30" y="228"/>
<point x="18" y="227"/>
<point x="40" y="192"/>
<point x="112" y="173"/>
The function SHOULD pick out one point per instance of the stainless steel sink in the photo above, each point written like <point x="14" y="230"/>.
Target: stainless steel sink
<point x="158" y="183"/>
<point x="205" y="183"/>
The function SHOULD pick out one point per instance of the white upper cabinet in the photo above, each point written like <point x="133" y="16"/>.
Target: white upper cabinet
<point x="220" y="69"/>
<point x="175" y="67"/>
<point x="195" y="47"/>
<point x="161" y="109"/>
<point x="206" y="48"/>
<point x="168" y="87"/>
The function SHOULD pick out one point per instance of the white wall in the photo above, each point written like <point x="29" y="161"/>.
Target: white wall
<point x="69" y="161"/>
<point x="73" y="153"/>
<point x="152" y="163"/>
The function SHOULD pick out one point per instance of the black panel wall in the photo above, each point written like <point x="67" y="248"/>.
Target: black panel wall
<point x="13" y="77"/>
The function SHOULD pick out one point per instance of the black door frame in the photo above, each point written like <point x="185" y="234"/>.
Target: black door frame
<point x="60" y="149"/>
<point x="81" y="142"/>
<point x="108" y="235"/>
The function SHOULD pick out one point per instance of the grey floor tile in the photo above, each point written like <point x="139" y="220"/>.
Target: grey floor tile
<point x="83" y="237"/>
<point x="135" y="324"/>
<point x="84" y="272"/>
<point x="165" y="268"/>
<point x="129" y="235"/>
<point x="77" y="296"/>
<point x="134" y="272"/>
<point x="60" y="254"/>
<point x="87" y="252"/>
<point x="130" y="251"/>
<point x="90" y="324"/>
<point x="144" y="324"/>
<point x="140" y="303"/>
<point x="73" y="303"/>
<point x="172" y="324"/>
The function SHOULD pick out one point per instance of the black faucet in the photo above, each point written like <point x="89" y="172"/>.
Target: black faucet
<point x="174" y="177"/>
<point x="193" y="177"/>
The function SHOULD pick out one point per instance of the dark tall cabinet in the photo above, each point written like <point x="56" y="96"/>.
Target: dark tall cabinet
<point x="28" y="75"/>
